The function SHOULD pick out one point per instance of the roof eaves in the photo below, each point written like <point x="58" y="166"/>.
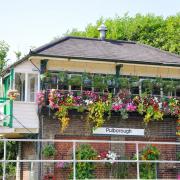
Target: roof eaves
<point x="112" y="60"/>
<point x="14" y="64"/>
<point x="48" y="45"/>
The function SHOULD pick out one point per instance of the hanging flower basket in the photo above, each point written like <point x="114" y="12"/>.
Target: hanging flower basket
<point x="12" y="94"/>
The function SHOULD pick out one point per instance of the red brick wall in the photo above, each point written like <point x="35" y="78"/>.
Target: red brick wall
<point x="64" y="151"/>
<point x="156" y="131"/>
<point x="167" y="152"/>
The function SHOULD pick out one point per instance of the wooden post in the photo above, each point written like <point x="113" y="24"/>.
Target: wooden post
<point x="43" y="69"/>
<point x="118" y="68"/>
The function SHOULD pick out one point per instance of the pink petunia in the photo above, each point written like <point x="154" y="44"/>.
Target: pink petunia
<point x="130" y="107"/>
<point x="117" y="107"/>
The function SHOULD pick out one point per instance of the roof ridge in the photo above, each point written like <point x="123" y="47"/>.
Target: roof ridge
<point x="97" y="39"/>
<point x="61" y="39"/>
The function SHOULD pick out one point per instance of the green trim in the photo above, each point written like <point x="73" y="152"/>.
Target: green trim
<point x="11" y="77"/>
<point x="11" y="101"/>
<point x="8" y="109"/>
<point x="11" y="114"/>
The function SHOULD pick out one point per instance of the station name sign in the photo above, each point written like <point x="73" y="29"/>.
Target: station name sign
<point x="119" y="131"/>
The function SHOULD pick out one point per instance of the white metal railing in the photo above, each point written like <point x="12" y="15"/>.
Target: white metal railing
<point x="74" y="142"/>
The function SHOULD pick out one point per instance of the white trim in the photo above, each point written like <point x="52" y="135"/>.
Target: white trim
<point x="26" y="87"/>
<point x="39" y="81"/>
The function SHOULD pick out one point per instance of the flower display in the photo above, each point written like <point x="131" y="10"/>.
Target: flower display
<point x="12" y="94"/>
<point x="108" y="155"/>
<point x="54" y="98"/>
<point x="117" y="107"/>
<point x="62" y="165"/>
<point x="130" y="107"/>
<point x="153" y="108"/>
<point x="40" y="98"/>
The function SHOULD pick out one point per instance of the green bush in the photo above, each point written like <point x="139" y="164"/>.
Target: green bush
<point x="85" y="170"/>
<point x="49" y="151"/>
<point x="11" y="155"/>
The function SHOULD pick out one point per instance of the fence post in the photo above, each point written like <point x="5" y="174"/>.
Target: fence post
<point x="4" y="163"/>
<point x="137" y="154"/>
<point x="74" y="160"/>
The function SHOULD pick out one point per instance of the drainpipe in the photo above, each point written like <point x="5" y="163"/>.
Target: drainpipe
<point x="43" y="69"/>
<point x="18" y="164"/>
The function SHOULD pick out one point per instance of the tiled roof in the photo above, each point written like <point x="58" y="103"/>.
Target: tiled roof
<point x="110" y="50"/>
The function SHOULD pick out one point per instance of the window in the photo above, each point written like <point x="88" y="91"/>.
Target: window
<point x="20" y="85"/>
<point x="27" y="90"/>
<point x="32" y="87"/>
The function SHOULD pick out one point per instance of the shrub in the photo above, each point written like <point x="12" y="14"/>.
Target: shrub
<point x="49" y="151"/>
<point x="85" y="169"/>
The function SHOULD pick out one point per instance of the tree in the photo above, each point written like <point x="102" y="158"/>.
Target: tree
<point x="147" y="29"/>
<point x="4" y="48"/>
<point x="18" y="55"/>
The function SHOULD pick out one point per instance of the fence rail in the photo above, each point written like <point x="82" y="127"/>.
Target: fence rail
<point x="137" y="146"/>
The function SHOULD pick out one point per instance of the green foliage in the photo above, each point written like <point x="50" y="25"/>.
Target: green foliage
<point x="148" y="170"/>
<point x="46" y="76"/>
<point x="110" y="80"/>
<point x="99" y="82"/>
<point x="147" y="29"/>
<point x="62" y="77"/>
<point x="96" y="113"/>
<point x="158" y="83"/>
<point x="85" y="170"/>
<point x="134" y="81"/>
<point x="169" y="86"/>
<point x="147" y="85"/>
<point x="124" y="83"/>
<point x="4" y="48"/>
<point x="120" y="170"/>
<point x="178" y="156"/>
<point x="49" y="151"/>
<point x="11" y="155"/>
<point x="18" y="55"/>
<point x="87" y="79"/>
<point x="75" y="81"/>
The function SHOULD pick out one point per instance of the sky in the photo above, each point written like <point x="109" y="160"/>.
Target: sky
<point x="30" y="23"/>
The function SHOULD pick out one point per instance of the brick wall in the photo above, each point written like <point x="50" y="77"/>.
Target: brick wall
<point x="167" y="152"/>
<point x="79" y="128"/>
<point x="64" y="151"/>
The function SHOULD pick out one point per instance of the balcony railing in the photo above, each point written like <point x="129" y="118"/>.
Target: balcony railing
<point x="6" y="110"/>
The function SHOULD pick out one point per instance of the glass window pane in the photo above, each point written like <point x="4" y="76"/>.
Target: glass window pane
<point x="20" y="85"/>
<point x="32" y="87"/>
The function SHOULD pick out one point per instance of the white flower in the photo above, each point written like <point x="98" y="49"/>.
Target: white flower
<point x="160" y="105"/>
<point x="156" y="99"/>
<point x="87" y="101"/>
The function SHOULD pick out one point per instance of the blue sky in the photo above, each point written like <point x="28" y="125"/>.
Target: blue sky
<point x="27" y="23"/>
